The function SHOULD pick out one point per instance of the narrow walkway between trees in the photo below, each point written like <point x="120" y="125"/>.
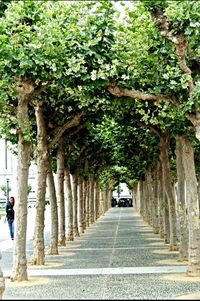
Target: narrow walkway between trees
<point x="118" y="257"/>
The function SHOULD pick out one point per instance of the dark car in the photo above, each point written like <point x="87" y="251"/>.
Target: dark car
<point x="125" y="202"/>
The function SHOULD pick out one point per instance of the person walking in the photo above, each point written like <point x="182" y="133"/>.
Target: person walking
<point x="10" y="215"/>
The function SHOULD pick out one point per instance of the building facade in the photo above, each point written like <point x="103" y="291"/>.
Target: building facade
<point x="8" y="174"/>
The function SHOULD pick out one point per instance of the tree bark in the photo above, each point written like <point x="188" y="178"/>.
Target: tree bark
<point x="161" y="202"/>
<point x="142" y="207"/>
<point x="166" y="221"/>
<point x="80" y="207"/>
<point x="87" y="204"/>
<point x="19" y="271"/>
<point x="105" y="201"/>
<point x="164" y="147"/>
<point x="60" y="194"/>
<point x="198" y="189"/>
<point x="68" y="207"/>
<point x="155" y="198"/>
<point x="96" y="199"/>
<point x="149" y="197"/>
<point x="193" y="208"/>
<point x="2" y="283"/>
<point x="85" y="188"/>
<point x="182" y="209"/>
<point x="101" y="209"/>
<point x="74" y="178"/>
<point x="53" y="247"/>
<point x="38" y="257"/>
<point x="145" y="201"/>
<point x="91" y="199"/>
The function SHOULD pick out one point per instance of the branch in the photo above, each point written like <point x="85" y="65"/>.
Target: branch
<point x="82" y="150"/>
<point x="123" y="92"/>
<point x="153" y="128"/>
<point x="28" y="88"/>
<point x="180" y="41"/>
<point x="8" y="107"/>
<point x="77" y="130"/>
<point x="75" y="121"/>
<point x="41" y="88"/>
<point x="8" y="116"/>
<point x="72" y="136"/>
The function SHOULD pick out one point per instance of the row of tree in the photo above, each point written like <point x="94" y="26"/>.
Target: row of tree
<point x="92" y="94"/>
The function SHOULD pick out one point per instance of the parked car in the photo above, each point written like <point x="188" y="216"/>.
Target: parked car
<point x="124" y="202"/>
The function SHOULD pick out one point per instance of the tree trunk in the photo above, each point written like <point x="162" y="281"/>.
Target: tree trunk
<point x="134" y="196"/>
<point x="137" y="203"/>
<point x="96" y="199"/>
<point x="74" y="178"/>
<point x="38" y="257"/>
<point x="166" y="220"/>
<point x="87" y="204"/>
<point x="149" y="197"/>
<point x="198" y="189"/>
<point x="142" y="207"/>
<point x="53" y="247"/>
<point x="101" y="199"/>
<point x="193" y="208"/>
<point x="91" y="199"/>
<point x="145" y="201"/>
<point x="19" y="272"/>
<point x="2" y="283"/>
<point x="109" y="197"/>
<point x="164" y="147"/>
<point x="105" y="202"/>
<point x="155" y="198"/>
<point x="80" y="205"/>
<point x="85" y="188"/>
<point x="182" y="209"/>
<point x="60" y="197"/>
<point x="161" y="202"/>
<point x="68" y="207"/>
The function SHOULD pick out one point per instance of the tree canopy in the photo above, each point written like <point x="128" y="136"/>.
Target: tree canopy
<point x="125" y="75"/>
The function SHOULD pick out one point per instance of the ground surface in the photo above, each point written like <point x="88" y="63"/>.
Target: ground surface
<point x="118" y="257"/>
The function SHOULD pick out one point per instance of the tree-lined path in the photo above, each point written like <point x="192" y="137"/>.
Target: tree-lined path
<point x="118" y="257"/>
<point x="96" y="99"/>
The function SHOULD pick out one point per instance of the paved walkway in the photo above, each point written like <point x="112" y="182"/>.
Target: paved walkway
<point x="118" y="257"/>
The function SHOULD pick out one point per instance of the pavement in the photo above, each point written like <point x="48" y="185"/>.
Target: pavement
<point x="117" y="258"/>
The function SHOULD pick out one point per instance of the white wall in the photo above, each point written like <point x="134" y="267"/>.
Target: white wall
<point x="6" y="168"/>
<point x="124" y="192"/>
<point x="8" y="171"/>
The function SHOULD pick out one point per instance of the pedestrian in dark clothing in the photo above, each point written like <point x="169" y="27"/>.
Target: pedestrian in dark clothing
<point x="10" y="215"/>
<point x="113" y="202"/>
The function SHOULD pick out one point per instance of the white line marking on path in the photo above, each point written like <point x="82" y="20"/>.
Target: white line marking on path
<point x="104" y="271"/>
<point x="116" y="248"/>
